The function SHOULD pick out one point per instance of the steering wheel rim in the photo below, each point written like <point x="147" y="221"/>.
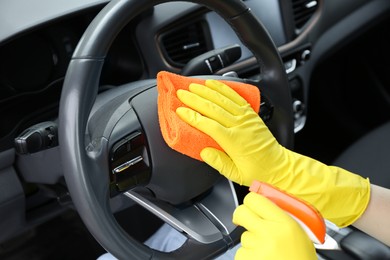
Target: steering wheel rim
<point x="83" y="174"/>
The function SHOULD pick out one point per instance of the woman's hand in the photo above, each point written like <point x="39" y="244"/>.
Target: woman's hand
<point x="251" y="152"/>
<point x="271" y="232"/>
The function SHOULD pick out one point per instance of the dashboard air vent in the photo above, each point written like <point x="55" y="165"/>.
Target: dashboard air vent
<point x="183" y="44"/>
<point x="303" y="11"/>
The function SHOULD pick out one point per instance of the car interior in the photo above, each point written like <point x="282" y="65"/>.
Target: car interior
<point x="84" y="169"/>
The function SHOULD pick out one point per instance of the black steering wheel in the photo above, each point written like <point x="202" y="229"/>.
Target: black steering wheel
<point x="111" y="144"/>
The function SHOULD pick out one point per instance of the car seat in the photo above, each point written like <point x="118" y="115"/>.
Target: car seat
<point x="369" y="156"/>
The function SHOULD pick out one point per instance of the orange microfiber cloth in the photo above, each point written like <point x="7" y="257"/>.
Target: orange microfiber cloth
<point x="179" y="135"/>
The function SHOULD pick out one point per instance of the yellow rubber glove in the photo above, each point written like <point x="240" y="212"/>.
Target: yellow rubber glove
<point x="251" y="152"/>
<point x="271" y="232"/>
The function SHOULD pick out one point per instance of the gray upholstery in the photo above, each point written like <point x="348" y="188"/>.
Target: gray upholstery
<point x="370" y="156"/>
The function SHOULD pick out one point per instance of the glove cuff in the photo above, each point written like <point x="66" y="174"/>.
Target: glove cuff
<point x="340" y="196"/>
<point x="352" y="201"/>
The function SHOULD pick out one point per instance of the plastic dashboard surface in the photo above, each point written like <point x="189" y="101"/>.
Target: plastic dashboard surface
<point x="269" y="13"/>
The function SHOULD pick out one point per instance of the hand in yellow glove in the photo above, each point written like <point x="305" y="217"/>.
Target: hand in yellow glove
<point x="271" y="232"/>
<point x="251" y="152"/>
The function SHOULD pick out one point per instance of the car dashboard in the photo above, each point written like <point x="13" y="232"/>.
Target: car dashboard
<point x="38" y="38"/>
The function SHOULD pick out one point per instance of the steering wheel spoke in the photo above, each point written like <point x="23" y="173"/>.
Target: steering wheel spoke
<point x="206" y="219"/>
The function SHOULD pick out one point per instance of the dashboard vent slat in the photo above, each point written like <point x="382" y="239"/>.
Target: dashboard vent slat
<point x="183" y="44"/>
<point x="303" y="10"/>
